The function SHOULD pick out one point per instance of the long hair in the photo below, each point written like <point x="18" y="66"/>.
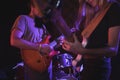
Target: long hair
<point x="87" y="12"/>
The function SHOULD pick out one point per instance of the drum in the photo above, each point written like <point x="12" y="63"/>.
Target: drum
<point x="62" y="67"/>
<point x="65" y="60"/>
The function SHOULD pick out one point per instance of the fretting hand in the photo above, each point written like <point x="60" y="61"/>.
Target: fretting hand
<point x="45" y="49"/>
<point x="74" y="47"/>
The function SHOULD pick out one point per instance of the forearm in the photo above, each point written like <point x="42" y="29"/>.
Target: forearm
<point x="24" y="44"/>
<point x="107" y="51"/>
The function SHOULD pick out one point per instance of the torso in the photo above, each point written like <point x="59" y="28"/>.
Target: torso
<point x="99" y="37"/>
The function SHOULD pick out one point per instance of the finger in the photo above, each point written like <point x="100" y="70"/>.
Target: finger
<point x="67" y="43"/>
<point x="65" y="47"/>
<point x="75" y="37"/>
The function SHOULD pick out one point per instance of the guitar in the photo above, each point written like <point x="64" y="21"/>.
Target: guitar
<point x="37" y="61"/>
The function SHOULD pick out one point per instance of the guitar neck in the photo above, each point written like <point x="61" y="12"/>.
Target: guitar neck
<point x="65" y="30"/>
<point x="63" y="27"/>
<point x="55" y="42"/>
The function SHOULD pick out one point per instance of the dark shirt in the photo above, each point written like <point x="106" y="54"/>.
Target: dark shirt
<point x="99" y="37"/>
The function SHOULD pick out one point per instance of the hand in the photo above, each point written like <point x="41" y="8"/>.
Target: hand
<point x="74" y="47"/>
<point x="76" y="60"/>
<point x="45" y="49"/>
<point x="74" y="63"/>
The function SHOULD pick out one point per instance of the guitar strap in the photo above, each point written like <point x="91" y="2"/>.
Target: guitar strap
<point x="94" y="22"/>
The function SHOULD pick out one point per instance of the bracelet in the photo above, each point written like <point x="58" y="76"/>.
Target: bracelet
<point x="39" y="47"/>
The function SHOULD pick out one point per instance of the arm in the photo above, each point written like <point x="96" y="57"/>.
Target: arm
<point x="17" y="41"/>
<point x="111" y="50"/>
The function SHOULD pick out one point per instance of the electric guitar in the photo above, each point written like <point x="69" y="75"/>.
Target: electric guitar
<point x="37" y="61"/>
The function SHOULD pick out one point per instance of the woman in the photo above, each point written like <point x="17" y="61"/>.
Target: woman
<point x="101" y="45"/>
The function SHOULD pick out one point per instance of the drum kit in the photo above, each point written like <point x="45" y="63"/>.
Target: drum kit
<point x="62" y="67"/>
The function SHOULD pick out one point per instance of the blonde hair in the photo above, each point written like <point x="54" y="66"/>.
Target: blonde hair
<point x="88" y="12"/>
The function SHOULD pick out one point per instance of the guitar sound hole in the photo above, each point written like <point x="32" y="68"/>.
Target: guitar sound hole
<point x="47" y="57"/>
<point x="38" y="61"/>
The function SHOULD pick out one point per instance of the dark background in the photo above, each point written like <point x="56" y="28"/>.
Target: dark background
<point x="9" y="10"/>
<point x="9" y="56"/>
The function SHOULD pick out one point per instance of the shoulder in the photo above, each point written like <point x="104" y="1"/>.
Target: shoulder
<point x="114" y="9"/>
<point x="21" y="17"/>
<point x="113" y="15"/>
<point x="115" y="6"/>
<point x="24" y="18"/>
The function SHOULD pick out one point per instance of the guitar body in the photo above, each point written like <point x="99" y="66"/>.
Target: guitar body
<point x="35" y="60"/>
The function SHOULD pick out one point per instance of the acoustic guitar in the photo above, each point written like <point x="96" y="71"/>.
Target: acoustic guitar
<point x="37" y="61"/>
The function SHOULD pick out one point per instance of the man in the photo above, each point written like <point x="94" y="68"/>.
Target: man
<point x="28" y="36"/>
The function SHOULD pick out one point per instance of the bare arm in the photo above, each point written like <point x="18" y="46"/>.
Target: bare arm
<point x="17" y="41"/>
<point x="111" y="50"/>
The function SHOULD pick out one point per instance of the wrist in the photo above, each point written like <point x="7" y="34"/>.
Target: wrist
<point x="78" y="57"/>
<point x="76" y="60"/>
